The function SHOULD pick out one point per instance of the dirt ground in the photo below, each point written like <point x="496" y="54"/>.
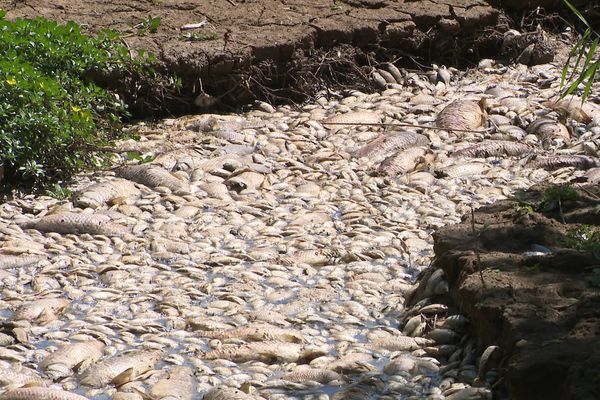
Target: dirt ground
<point x="536" y="297"/>
<point x="251" y="49"/>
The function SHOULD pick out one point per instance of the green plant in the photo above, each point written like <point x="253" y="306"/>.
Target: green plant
<point x="59" y="192"/>
<point x="199" y="36"/>
<point x="149" y="25"/>
<point x="586" y="60"/>
<point x="537" y="267"/>
<point x="137" y="156"/>
<point x="524" y="208"/>
<point x="584" y="238"/>
<point x="554" y="196"/>
<point x="56" y="102"/>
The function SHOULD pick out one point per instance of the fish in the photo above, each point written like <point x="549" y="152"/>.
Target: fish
<point x="227" y="393"/>
<point x="575" y="108"/>
<point x="180" y="385"/>
<point x="94" y="224"/>
<point x="324" y="376"/>
<point x="268" y="352"/>
<point x="352" y="118"/>
<point x="313" y="257"/>
<point x="397" y="343"/>
<point x="592" y="176"/>
<point x="550" y="132"/>
<point x="153" y="176"/>
<point x="256" y="332"/>
<point x="392" y="142"/>
<point x="493" y="148"/>
<point x="10" y="377"/>
<point x="462" y="170"/>
<point x="12" y="261"/>
<point x="120" y="369"/>
<point x="462" y="114"/>
<point x="40" y="393"/>
<point x="61" y="363"/>
<point x="552" y="163"/>
<point x="43" y="310"/>
<point x="402" y="162"/>
<point x="99" y="194"/>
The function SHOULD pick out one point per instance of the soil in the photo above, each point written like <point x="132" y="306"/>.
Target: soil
<point x="281" y="49"/>
<point x="530" y="292"/>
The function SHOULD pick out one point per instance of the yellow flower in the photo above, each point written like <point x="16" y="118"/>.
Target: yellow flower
<point x="11" y="81"/>
<point x="76" y="109"/>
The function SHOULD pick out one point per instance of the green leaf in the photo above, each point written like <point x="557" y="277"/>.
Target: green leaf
<point x="577" y="13"/>
<point x="590" y="81"/>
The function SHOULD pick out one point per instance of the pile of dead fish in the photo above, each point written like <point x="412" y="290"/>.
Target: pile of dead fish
<point x="273" y="255"/>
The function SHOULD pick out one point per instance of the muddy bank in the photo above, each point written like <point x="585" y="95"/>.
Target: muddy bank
<point x="513" y="271"/>
<point x="252" y="49"/>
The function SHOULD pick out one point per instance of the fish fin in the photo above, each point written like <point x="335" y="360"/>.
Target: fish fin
<point x="46" y="316"/>
<point x="124" y="377"/>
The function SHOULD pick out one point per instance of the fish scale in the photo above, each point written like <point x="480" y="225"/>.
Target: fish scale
<point x="98" y="194"/>
<point x="392" y="142"/>
<point x="402" y="161"/>
<point x="560" y="161"/>
<point x="493" y="148"/>
<point x="104" y="372"/>
<point x="40" y="393"/>
<point x="153" y="176"/>
<point x="94" y="224"/>
<point x="62" y="361"/>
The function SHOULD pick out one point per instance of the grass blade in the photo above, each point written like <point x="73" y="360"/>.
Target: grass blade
<point x="590" y="81"/>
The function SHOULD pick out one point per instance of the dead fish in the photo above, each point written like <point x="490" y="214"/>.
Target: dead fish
<point x="40" y="393"/>
<point x="244" y="180"/>
<point x="94" y="224"/>
<point x="462" y="115"/>
<point x="227" y="393"/>
<point x="592" y="176"/>
<point x="493" y="148"/>
<point x="353" y="118"/>
<point x="398" y="343"/>
<point x="552" y="163"/>
<point x="550" y="132"/>
<point x="178" y="159"/>
<point x="393" y="142"/>
<point x="574" y="107"/>
<point x="256" y="332"/>
<point x="471" y="393"/>
<point x="80" y="355"/>
<point x="153" y="176"/>
<point x="324" y="376"/>
<point x="351" y="362"/>
<point x="462" y="170"/>
<point x="10" y="261"/>
<point x="402" y="162"/>
<point x="99" y="194"/>
<point x="313" y="257"/>
<point x="10" y="377"/>
<point x="43" y="310"/>
<point x="180" y="385"/>
<point x="120" y="369"/>
<point x="268" y="352"/>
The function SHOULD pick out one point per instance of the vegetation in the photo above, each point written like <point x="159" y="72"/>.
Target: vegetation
<point x="586" y="63"/>
<point x="56" y="104"/>
<point x="584" y="238"/>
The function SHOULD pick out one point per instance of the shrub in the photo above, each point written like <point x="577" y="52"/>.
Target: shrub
<point x="53" y="112"/>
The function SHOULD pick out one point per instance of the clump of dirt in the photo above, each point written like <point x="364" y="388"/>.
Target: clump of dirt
<point x="528" y="276"/>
